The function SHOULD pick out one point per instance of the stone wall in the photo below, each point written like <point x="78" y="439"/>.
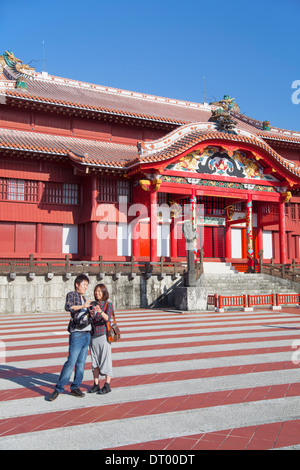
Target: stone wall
<point x="42" y="295"/>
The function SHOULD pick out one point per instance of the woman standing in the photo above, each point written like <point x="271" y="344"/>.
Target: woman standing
<point x="100" y="347"/>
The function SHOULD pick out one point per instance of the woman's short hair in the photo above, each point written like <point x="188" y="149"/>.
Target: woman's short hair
<point x="105" y="294"/>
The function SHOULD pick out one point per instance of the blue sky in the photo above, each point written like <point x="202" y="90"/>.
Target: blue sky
<point x="247" y="49"/>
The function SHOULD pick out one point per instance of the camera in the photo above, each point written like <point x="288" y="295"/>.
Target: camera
<point x="93" y="304"/>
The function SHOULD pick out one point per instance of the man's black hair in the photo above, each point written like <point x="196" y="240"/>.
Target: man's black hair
<point x="80" y="278"/>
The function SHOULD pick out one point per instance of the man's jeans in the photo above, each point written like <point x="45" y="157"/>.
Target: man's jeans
<point x="78" y="347"/>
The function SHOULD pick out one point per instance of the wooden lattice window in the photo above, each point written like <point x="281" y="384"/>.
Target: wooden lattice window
<point x="13" y="189"/>
<point x="293" y="211"/>
<point x="61" y="193"/>
<point x="110" y="189"/>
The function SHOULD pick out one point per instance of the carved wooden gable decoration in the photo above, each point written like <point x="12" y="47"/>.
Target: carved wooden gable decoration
<point x="217" y="161"/>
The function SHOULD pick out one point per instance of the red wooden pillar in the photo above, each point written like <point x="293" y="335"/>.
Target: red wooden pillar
<point x="135" y="240"/>
<point x="297" y="255"/>
<point x="249" y="235"/>
<point x="290" y="247"/>
<point x="282" y="233"/>
<point x="173" y="239"/>
<point x="228" y="241"/>
<point x="193" y="204"/>
<point x="259" y="231"/>
<point x="153" y="226"/>
<point x="94" y="237"/>
<point x="38" y="240"/>
<point x="193" y="201"/>
<point x="94" y="241"/>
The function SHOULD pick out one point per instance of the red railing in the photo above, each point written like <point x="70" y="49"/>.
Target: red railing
<point x="287" y="299"/>
<point x="250" y="301"/>
<point x="232" y="301"/>
<point x="212" y="300"/>
<point x="261" y="299"/>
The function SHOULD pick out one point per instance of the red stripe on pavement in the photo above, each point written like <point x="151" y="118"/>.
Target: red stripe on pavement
<point x="96" y="414"/>
<point x="261" y="437"/>
<point x="153" y="347"/>
<point x="195" y="324"/>
<point x="39" y="389"/>
<point x="160" y="359"/>
<point x="144" y="338"/>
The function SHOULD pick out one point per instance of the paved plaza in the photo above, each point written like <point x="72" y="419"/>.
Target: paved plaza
<point x="196" y="381"/>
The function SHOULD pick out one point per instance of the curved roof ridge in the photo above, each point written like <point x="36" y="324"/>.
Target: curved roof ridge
<point x="46" y="77"/>
<point x="259" y="125"/>
<point x="86" y="151"/>
<point x="182" y="131"/>
<point x="174" y="147"/>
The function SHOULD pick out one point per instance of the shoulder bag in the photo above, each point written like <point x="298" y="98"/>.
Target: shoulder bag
<point x="113" y="331"/>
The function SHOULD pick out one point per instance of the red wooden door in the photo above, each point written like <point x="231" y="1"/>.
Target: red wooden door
<point x="145" y="239"/>
<point x="208" y="241"/>
<point x="181" y="244"/>
<point x="219" y="242"/>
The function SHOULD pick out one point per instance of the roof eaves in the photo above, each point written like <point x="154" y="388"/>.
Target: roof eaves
<point x="178" y="147"/>
<point x="102" y="110"/>
<point x="87" y="161"/>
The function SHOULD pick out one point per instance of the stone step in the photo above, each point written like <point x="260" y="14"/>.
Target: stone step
<point x="219" y="268"/>
<point x="246" y="292"/>
<point x="242" y="284"/>
<point x="262" y="289"/>
<point x="239" y="282"/>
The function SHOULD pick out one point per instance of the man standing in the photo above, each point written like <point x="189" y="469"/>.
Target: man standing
<point x="79" y="340"/>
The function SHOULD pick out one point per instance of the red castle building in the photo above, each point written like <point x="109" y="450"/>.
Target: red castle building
<point x="84" y="170"/>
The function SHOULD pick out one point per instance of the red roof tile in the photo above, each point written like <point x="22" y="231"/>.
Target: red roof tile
<point x="81" y="150"/>
<point x="109" y="154"/>
<point x="178" y="144"/>
<point x="75" y="94"/>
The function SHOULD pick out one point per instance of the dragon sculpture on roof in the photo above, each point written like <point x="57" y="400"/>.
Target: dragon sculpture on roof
<point x="18" y="68"/>
<point x="221" y="114"/>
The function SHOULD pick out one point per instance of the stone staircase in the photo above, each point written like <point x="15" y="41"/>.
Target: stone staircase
<point x="222" y="279"/>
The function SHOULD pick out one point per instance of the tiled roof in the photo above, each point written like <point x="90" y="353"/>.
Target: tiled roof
<point x="178" y="142"/>
<point x="81" y="150"/>
<point x="58" y="91"/>
<point x="114" y="155"/>
<point x="110" y="100"/>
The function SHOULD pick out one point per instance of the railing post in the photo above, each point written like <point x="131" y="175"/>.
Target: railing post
<point x="161" y="265"/>
<point x="12" y="266"/>
<point x="131" y="266"/>
<point x="272" y="267"/>
<point x="293" y="270"/>
<point x="201" y="257"/>
<point x="100" y="265"/>
<point x="31" y="263"/>
<point x="147" y="270"/>
<point x="260" y="255"/>
<point x="117" y="274"/>
<point x="67" y="267"/>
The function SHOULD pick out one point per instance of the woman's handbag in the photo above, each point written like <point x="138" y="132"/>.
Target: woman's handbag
<point x="113" y="331"/>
